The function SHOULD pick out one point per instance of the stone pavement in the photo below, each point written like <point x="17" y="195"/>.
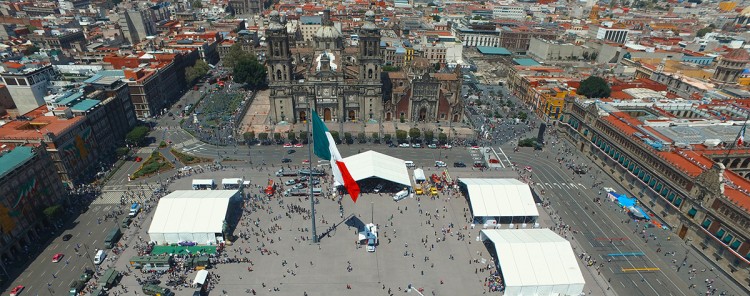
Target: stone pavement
<point x="322" y="269"/>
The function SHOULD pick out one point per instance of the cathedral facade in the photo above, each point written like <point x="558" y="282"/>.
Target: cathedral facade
<point x="340" y="84"/>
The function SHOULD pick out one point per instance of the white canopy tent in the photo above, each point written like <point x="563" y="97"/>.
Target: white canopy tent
<point x="193" y="216"/>
<point x="535" y="262"/>
<point x="231" y="183"/>
<point x="200" y="278"/>
<point x="203" y="184"/>
<point x="370" y="164"/>
<point x="507" y="199"/>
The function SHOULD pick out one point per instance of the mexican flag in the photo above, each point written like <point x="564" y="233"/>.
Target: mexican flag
<point x="325" y="148"/>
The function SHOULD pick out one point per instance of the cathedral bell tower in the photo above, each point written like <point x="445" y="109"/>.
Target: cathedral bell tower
<point x="370" y="61"/>
<point x="279" y="58"/>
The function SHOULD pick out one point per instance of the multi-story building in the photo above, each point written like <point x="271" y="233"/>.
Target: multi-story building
<point x="27" y="187"/>
<point x="308" y="25"/>
<point x="672" y="156"/>
<point x="616" y="33"/>
<point x="518" y="39"/>
<point x="27" y="84"/>
<point x="341" y="85"/>
<point x="246" y="6"/>
<point x="477" y="35"/>
<point x="512" y="12"/>
<point x="137" y="24"/>
<point x="154" y="80"/>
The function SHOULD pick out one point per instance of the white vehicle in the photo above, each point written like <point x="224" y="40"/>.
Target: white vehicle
<point x="403" y="145"/>
<point x="99" y="257"/>
<point x="409" y="164"/>
<point x="440" y="164"/>
<point x="401" y="195"/>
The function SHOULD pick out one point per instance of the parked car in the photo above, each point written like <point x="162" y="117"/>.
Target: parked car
<point x="286" y="160"/>
<point x="440" y="164"/>
<point x="17" y="290"/>
<point x="378" y="188"/>
<point x="291" y="151"/>
<point x="288" y="145"/>
<point x="290" y="182"/>
<point x="432" y="146"/>
<point x="298" y="145"/>
<point x="67" y="237"/>
<point x="446" y="146"/>
<point x="403" y="145"/>
<point x="57" y="257"/>
<point x="417" y="145"/>
<point x="459" y="164"/>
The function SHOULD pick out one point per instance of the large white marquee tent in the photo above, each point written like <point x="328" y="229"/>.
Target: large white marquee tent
<point x="535" y="262"/>
<point x="371" y="164"/>
<point x="193" y="216"/>
<point x="508" y="200"/>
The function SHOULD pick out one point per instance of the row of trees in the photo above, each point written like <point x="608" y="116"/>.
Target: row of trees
<point x="197" y="70"/>
<point x="401" y="135"/>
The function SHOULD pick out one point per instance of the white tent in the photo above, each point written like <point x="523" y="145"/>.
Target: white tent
<point x="535" y="262"/>
<point x="370" y="164"/>
<point x="193" y="216"/>
<point x="231" y="183"/>
<point x="500" y="198"/>
<point x="203" y="184"/>
<point x="200" y="278"/>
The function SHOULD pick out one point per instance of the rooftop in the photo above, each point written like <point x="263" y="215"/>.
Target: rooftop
<point x="15" y="158"/>
<point x="488" y="50"/>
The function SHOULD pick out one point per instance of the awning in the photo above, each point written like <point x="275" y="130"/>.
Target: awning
<point x="200" y="278"/>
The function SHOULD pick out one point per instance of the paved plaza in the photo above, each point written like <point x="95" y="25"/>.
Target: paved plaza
<point x="425" y="242"/>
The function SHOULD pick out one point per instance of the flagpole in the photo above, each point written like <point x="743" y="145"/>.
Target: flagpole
<point x="309" y="155"/>
<point x="741" y="133"/>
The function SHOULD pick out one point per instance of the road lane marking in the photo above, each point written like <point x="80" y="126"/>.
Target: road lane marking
<point x="573" y="185"/>
<point x="579" y="184"/>
<point x="658" y="281"/>
<point x="566" y="185"/>
<point x="548" y="185"/>
<point x="558" y="185"/>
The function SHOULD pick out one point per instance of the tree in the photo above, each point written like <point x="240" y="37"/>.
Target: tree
<point x="706" y="30"/>
<point x="263" y="136"/>
<point x="137" y="135"/>
<point x="401" y="135"/>
<point x="375" y="136"/>
<point x="594" y="87"/>
<point x="250" y="72"/>
<point x="248" y="136"/>
<point x="121" y="151"/>
<point x="442" y="138"/>
<point x="348" y="138"/>
<point x="362" y="138"/>
<point x="303" y="136"/>
<point x="335" y="136"/>
<point x="30" y="50"/>
<point x="429" y="136"/>
<point x="414" y="133"/>
<point x="291" y="136"/>
<point x="386" y="137"/>
<point x="52" y="212"/>
<point x="197" y="70"/>
<point x="235" y="55"/>
<point x="523" y="116"/>
<point x="276" y="136"/>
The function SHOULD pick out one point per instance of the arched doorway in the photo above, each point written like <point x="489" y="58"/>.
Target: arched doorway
<point x="388" y="116"/>
<point x="422" y="114"/>
<point x="327" y="114"/>
<point x="302" y="116"/>
<point x="455" y="118"/>
<point x="352" y="117"/>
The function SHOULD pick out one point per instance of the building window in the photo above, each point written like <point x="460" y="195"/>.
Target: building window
<point x="735" y="244"/>
<point x="720" y="233"/>
<point x="728" y="238"/>
<point x="706" y="223"/>
<point x="692" y="212"/>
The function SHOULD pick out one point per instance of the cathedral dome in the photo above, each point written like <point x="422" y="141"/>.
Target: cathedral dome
<point x="420" y="63"/>
<point x="369" y="23"/>
<point x="327" y="32"/>
<point x="739" y="54"/>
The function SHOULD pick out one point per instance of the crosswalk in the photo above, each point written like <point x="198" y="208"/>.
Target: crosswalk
<point x="561" y="185"/>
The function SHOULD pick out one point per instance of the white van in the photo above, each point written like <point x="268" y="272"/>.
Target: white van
<point x="409" y="164"/>
<point x="401" y="195"/>
<point x="99" y="257"/>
